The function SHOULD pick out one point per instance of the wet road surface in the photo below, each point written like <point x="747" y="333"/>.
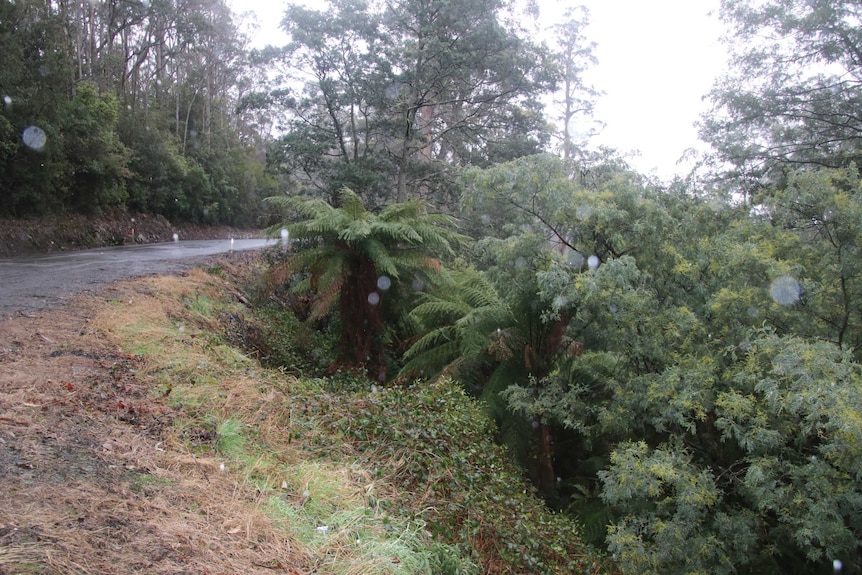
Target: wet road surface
<point x="38" y="282"/>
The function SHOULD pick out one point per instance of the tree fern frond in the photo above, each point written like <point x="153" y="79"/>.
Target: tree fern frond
<point x="404" y="210"/>
<point x="396" y="232"/>
<point x="430" y="340"/>
<point x="383" y="261"/>
<point x="355" y="231"/>
<point x="328" y="291"/>
<point x="439" y="310"/>
<point x="351" y="204"/>
<point x="430" y="362"/>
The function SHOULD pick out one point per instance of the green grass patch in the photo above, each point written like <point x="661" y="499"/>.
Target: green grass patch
<point x="391" y="480"/>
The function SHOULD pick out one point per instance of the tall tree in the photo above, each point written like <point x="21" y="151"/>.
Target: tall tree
<point x="793" y="95"/>
<point x="574" y="55"/>
<point x="401" y="91"/>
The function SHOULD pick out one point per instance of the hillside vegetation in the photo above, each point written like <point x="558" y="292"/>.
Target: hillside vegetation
<point x="141" y="432"/>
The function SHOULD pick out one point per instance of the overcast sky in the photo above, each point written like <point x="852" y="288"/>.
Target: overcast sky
<point x="657" y="59"/>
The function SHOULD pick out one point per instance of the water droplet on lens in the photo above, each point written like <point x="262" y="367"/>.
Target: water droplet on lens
<point x="7" y="100"/>
<point x="520" y="262"/>
<point x="612" y="308"/>
<point x="384" y="283"/>
<point x="583" y="212"/>
<point x="575" y="259"/>
<point x="374" y="298"/>
<point x="593" y="262"/>
<point x="34" y="137"/>
<point x="417" y="284"/>
<point x="785" y="290"/>
<point x="560" y="302"/>
<point x="392" y="91"/>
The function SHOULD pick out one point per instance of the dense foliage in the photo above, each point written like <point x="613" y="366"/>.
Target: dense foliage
<point x="678" y="366"/>
<point x="129" y="105"/>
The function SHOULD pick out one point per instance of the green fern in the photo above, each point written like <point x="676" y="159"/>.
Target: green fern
<point x="349" y="249"/>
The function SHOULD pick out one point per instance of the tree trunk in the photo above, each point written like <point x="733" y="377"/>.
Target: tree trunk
<point x="545" y="477"/>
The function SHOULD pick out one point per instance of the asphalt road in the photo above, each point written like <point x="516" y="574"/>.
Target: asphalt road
<point x="33" y="283"/>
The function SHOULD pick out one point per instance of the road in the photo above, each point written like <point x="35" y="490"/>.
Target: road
<point x="33" y="283"/>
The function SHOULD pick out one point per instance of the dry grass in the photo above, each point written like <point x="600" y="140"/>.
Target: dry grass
<point x="97" y="475"/>
<point x="133" y="440"/>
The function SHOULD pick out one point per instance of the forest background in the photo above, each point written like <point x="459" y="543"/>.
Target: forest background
<point x="674" y="363"/>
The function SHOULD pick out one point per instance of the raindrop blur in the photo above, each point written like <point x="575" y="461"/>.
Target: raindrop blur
<point x="176" y="237"/>
<point x="535" y="424"/>
<point x="745" y="345"/>
<point x="560" y="302"/>
<point x="612" y="308"/>
<point x="575" y="259"/>
<point x="374" y="298"/>
<point x="392" y="91"/>
<point x="837" y="565"/>
<point x="593" y="262"/>
<point x="520" y="262"/>
<point x="785" y="290"/>
<point x="7" y="100"/>
<point x="828" y="214"/>
<point x="231" y="244"/>
<point x="34" y="137"/>
<point x="384" y="283"/>
<point x="181" y="328"/>
<point x="43" y="70"/>
<point x="752" y="311"/>
<point x="284" y="235"/>
<point x="486" y="219"/>
<point x="583" y="212"/>
<point x="417" y="284"/>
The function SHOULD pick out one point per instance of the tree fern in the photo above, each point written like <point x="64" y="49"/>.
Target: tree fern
<point x="350" y="249"/>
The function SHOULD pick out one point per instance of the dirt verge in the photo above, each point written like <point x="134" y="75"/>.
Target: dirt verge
<point x="89" y="485"/>
<point x="74" y="231"/>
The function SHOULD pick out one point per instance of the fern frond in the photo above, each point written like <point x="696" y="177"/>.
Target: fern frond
<point x="431" y="340"/>
<point x="431" y="362"/>
<point x="328" y="289"/>
<point x="351" y="204"/>
<point x="355" y="231"/>
<point x="439" y="310"/>
<point x="381" y="258"/>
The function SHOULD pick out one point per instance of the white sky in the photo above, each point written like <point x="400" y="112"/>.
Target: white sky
<point x="657" y="59"/>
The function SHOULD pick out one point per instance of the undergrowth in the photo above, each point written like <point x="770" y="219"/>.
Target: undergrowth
<point x="400" y="480"/>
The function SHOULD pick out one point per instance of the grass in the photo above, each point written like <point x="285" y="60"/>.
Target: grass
<point x="401" y="481"/>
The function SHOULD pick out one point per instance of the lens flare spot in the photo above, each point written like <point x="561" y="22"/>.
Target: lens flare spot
<point x="575" y="259"/>
<point x="785" y="290"/>
<point x="34" y="138"/>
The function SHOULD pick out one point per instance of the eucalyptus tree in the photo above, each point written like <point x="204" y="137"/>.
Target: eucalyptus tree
<point x="574" y="56"/>
<point x="792" y="96"/>
<point x="397" y="93"/>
